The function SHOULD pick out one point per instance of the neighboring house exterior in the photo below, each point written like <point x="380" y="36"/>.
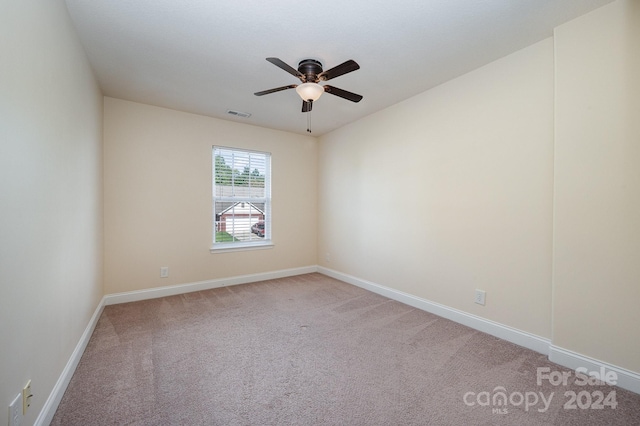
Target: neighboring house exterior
<point x="236" y="218"/>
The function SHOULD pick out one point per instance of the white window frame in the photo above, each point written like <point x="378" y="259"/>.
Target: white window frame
<point x="267" y="241"/>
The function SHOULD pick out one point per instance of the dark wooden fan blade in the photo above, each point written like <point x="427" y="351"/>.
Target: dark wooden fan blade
<point x="280" y="64"/>
<point x="277" y="89"/>
<point x="339" y="70"/>
<point x="306" y="106"/>
<point x="342" y="93"/>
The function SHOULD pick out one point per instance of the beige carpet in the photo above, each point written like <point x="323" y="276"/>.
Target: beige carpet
<point x="310" y="350"/>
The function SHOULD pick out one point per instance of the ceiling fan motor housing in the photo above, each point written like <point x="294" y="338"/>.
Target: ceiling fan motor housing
<point x="310" y="68"/>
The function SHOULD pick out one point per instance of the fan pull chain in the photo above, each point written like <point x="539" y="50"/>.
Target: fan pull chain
<point x="309" y="119"/>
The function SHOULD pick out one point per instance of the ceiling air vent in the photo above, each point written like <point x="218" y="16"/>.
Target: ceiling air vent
<point x="239" y="113"/>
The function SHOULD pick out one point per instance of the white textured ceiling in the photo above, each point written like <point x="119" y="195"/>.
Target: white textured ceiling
<point x="208" y="56"/>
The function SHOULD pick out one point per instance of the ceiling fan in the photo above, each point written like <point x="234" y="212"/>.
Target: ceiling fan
<point x="310" y="74"/>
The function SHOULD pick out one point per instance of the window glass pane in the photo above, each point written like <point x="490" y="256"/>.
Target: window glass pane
<point x="240" y="221"/>
<point x="240" y="173"/>
<point x="241" y="196"/>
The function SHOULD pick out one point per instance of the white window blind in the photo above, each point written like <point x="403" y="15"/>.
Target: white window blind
<point x="241" y="198"/>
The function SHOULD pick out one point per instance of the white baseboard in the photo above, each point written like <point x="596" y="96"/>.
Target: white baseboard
<point x="625" y="379"/>
<point x="154" y="293"/>
<point x="51" y="404"/>
<point x="521" y="338"/>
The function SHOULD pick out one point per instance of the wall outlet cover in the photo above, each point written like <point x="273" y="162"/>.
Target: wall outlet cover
<point x="26" y="397"/>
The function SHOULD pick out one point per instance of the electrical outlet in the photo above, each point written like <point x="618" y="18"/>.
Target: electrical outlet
<point x="26" y="397"/>
<point x="15" y="412"/>
<point x="164" y="272"/>
<point x="480" y="297"/>
<point x="328" y="257"/>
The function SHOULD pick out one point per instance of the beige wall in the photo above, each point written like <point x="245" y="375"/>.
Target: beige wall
<point x="451" y="191"/>
<point x="597" y="186"/>
<point x="456" y="188"/>
<point x="50" y="197"/>
<point x="158" y="197"/>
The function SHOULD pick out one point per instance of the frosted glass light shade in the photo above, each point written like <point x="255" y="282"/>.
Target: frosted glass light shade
<point x="311" y="91"/>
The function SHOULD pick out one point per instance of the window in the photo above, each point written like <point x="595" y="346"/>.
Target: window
<point x="241" y="199"/>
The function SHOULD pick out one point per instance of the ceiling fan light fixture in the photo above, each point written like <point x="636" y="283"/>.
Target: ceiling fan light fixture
<point x="310" y="91"/>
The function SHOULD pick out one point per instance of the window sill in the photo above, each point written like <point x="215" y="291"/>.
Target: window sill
<point x="227" y="248"/>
